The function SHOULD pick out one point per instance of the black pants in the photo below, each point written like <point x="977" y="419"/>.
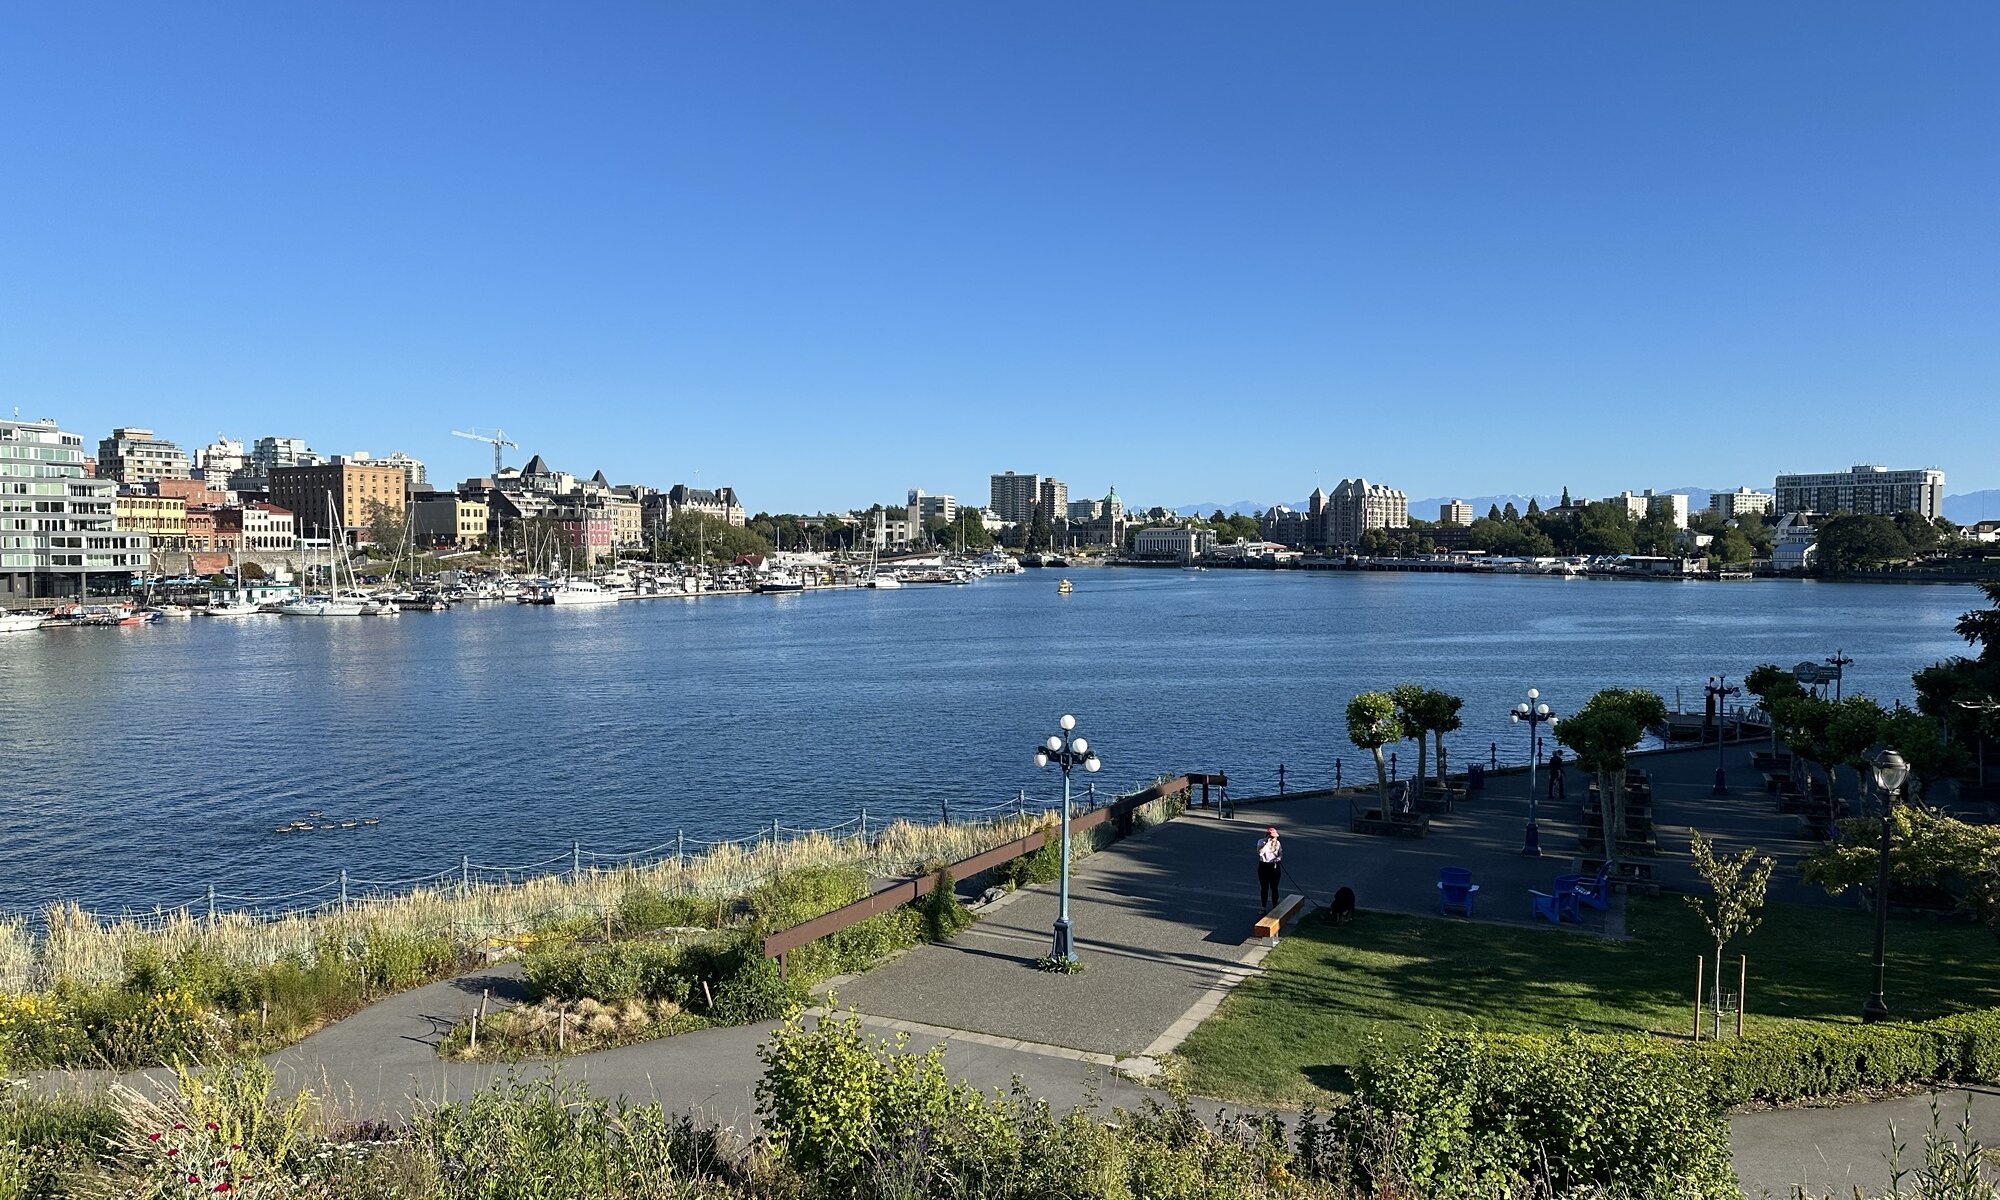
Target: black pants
<point x="1558" y="784"/>
<point x="1267" y="885"/>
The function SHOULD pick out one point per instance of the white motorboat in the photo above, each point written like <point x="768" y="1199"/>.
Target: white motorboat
<point x="884" y="581"/>
<point x="21" y="622"/>
<point x="236" y="608"/>
<point x="572" y="592"/>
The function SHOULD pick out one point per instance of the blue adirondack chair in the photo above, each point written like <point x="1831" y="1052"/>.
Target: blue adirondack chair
<point x="1596" y="893"/>
<point x="1545" y="905"/>
<point x="1456" y="890"/>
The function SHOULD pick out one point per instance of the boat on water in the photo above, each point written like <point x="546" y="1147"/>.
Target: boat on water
<point x="422" y="602"/>
<point x="324" y="605"/>
<point x="570" y="593"/>
<point x="1064" y="587"/>
<point x="884" y="581"/>
<point x="1054" y="560"/>
<point x="22" y="622"/>
<point x="233" y="608"/>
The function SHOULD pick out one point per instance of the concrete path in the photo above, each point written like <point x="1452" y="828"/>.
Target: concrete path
<point x="1833" y="1151"/>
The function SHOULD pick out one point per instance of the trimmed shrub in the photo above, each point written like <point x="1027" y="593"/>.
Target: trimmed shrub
<point x="1478" y="1114"/>
<point x="1801" y="1064"/>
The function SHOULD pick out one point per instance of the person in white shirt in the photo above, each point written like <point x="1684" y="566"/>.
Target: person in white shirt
<point x="1270" y="861"/>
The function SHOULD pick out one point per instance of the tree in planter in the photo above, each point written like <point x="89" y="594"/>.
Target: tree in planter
<point x="1412" y="713"/>
<point x="1443" y="712"/>
<point x="1736" y="885"/>
<point x="1771" y="683"/>
<point x="1601" y="734"/>
<point x="1371" y="725"/>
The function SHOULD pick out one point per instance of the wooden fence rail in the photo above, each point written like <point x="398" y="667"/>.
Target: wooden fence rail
<point x="784" y="941"/>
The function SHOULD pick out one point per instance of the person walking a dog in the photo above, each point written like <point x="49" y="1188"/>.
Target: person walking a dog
<point x="1270" y="862"/>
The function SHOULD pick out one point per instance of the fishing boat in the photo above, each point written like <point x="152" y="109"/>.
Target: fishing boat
<point x="22" y="622"/>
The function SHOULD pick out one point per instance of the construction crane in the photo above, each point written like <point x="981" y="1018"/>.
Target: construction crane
<point x="498" y="440"/>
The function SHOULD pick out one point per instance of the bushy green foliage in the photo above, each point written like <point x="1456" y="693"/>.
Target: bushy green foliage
<point x="1834" y="1060"/>
<point x="55" y="1147"/>
<point x="609" y="973"/>
<point x="1930" y="855"/>
<point x="1479" y="1114"/>
<point x="798" y="896"/>
<point x="392" y="962"/>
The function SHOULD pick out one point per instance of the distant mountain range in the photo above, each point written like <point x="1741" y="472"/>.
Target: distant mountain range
<point x="1967" y="508"/>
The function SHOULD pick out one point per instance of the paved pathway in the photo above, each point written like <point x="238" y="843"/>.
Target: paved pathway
<point x="1163" y="922"/>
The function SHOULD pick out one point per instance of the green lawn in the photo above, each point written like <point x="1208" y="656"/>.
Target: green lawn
<point x="1288" y="1034"/>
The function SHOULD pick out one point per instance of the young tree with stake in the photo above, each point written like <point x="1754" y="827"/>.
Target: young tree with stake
<point x="1736" y="885"/>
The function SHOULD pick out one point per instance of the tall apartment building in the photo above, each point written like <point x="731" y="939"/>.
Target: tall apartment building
<point x="134" y="456"/>
<point x="1740" y="503"/>
<point x="414" y="468"/>
<point x="1866" y="488"/>
<point x="339" y="501"/>
<point x="1054" y="499"/>
<point x="923" y="506"/>
<point x="1641" y="505"/>
<point x="1015" y="497"/>
<point x="56" y="522"/>
<point x="1458" y="512"/>
<point x="219" y="460"/>
<point x="1356" y="506"/>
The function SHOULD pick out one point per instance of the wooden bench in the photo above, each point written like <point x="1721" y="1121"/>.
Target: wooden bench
<point x="1398" y="825"/>
<point x="1267" y="926"/>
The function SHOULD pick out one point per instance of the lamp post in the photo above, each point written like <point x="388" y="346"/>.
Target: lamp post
<point x="1067" y="751"/>
<point x="1536" y="714"/>
<point x="1890" y="773"/>
<point x="1719" y="691"/>
<point x="1839" y="662"/>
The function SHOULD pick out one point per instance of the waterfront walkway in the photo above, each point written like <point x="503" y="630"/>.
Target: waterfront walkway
<point x="1163" y="921"/>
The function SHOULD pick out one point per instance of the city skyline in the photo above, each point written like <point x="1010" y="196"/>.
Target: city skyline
<point x="823" y="258"/>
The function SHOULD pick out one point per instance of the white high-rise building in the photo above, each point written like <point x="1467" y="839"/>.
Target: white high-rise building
<point x="1458" y="512"/>
<point x="1742" y="502"/>
<point x="1868" y="489"/>
<point x="220" y="459"/>
<point x="135" y="456"/>
<point x="1356" y="506"/>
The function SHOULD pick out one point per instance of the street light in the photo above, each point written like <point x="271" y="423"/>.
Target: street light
<point x="1839" y="662"/>
<point x="1536" y="714"/>
<point x="1067" y="751"/>
<point x="1719" y="691"/>
<point x="1890" y="773"/>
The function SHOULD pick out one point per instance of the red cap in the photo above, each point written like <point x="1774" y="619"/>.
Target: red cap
<point x="1271" y="829"/>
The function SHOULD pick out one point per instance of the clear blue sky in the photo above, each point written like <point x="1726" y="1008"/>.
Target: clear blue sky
<point x="829" y="251"/>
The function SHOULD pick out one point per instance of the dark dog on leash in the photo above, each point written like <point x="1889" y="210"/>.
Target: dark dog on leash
<point x="1343" y="906"/>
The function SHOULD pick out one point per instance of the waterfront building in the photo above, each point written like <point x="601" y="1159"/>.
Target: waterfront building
<point x="1356" y="506"/>
<point x="1179" y="543"/>
<point x="339" y="500"/>
<point x="1743" y="502"/>
<point x="267" y="526"/>
<point x="719" y="503"/>
<point x="1014" y="497"/>
<point x="1640" y="505"/>
<point x="925" y="507"/>
<point x="1866" y="488"/>
<point x="163" y="519"/>
<point x="1458" y="512"/>
<point x="589" y="528"/>
<point x="58" y="534"/>
<point x="449" y="519"/>
<point x="1795" y="543"/>
<point x="212" y="530"/>
<point x="1289" y="527"/>
<point x="1096" y="522"/>
<point x="884" y="528"/>
<point x="134" y="456"/>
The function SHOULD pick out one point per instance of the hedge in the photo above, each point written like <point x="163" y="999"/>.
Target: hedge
<point x="1805" y="1063"/>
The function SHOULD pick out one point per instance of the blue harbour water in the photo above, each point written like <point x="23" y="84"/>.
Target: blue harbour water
<point x="144" y="764"/>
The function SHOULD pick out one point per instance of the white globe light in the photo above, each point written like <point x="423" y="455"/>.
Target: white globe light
<point x="1091" y="764"/>
<point x="1041" y="758"/>
<point x="1079" y="745"/>
<point x="1520" y="710"/>
<point x="1541" y="710"/>
<point x="1054" y="743"/>
<point x="1067" y="722"/>
<point x="1534" y="693"/>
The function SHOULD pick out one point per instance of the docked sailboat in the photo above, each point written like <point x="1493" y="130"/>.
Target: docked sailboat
<point x="232" y="608"/>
